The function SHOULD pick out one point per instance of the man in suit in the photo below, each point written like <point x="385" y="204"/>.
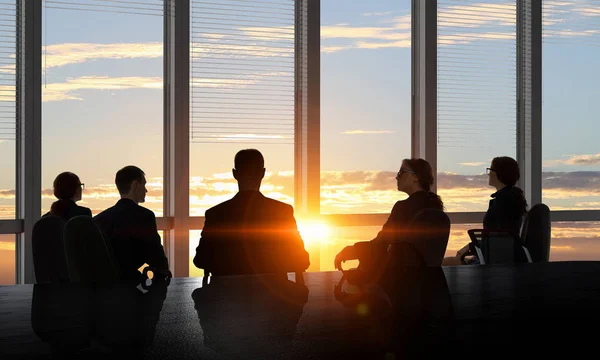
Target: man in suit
<point x="250" y="233"/>
<point x="131" y="228"/>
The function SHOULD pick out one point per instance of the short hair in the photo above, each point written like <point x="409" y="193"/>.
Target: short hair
<point x="65" y="185"/>
<point x="249" y="160"/>
<point x="126" y="176"/>
<point x="506" y="169"/>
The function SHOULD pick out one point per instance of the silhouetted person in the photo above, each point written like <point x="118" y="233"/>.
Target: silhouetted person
<point x="414" y="178"/>
<point x="131" y="229"/>
<point x="250" y="233"/>
<point x="507" y="206"/>
<point x="67" y="189"/>
<point x="408" y="312"/>
<point x="250" y="317"/>
<point x="120" y="317"/>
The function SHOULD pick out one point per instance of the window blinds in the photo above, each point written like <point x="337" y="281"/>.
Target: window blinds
<point x="9" y="47"/>
<point x="133" y="7"/>
<point x="477" y="73"/>
<point x="242" y="71"/>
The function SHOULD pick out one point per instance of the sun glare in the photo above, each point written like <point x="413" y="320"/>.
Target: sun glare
<point x="314" y="232"/>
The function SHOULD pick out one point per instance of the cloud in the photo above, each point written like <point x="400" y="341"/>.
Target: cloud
<point x="366" y="132"/>
<point x="472" y="164"/>
<point x="67" y="90"/>
<point x="574" y="160"/>
<point x="76" y="53"/>
<point x="343" y="192"/>
<point x="383" y="13"/>
<point x="395" y="33"/>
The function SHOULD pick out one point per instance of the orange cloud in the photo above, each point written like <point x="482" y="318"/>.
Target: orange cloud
<point x="343" y="192"/>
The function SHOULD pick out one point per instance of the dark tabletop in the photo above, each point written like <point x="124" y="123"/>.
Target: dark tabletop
<point x="518" y="311"/>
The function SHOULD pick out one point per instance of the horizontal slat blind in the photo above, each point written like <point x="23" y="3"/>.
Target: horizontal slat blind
<point x="8" y="69"/>
<point x="133" y="7"/>
<point x="571" y="22"/>
<point x="242" y="71"/>
<point x="477" y="74"/>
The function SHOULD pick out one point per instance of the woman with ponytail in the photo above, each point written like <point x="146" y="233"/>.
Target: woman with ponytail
<point x="507" y="206"/>
<point x="67" y="189"/>
<point x="415" y="178"/>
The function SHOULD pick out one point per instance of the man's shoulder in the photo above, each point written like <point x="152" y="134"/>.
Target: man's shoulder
<point x="144" y="211"/>
<point x="279" y="206"/>
<point x="107" y="213"/>
<point x="219" y="208"/>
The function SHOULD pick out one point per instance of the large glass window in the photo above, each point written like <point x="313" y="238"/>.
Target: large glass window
<point x="365" y="103"/>
<point x="8" y="111"/>
<point x="102" y="96"/>
<point x="241" y="96"/>
<point x="476" y="97"/>
<point x="571" y="154"/>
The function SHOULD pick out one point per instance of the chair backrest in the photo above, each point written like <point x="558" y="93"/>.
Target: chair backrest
<point x="89" y="255"/>
<point x="430" y="230"/>
<point x="497" y="247"/>
<point x="535" y="233"/>
<point x="49" y="261"/>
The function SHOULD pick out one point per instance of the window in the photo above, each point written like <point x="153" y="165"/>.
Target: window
<point x="476" y="97"/>
<point x="365" y="103"/>
<point x="102" y="96"/>
<point x="241" y="96"/>
<point x="575" y="241"/>
<point x="8" y="110"/>
<point x="570" y="153"/>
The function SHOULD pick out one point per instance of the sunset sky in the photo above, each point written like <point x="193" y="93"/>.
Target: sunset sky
<point x="103" y="109"/>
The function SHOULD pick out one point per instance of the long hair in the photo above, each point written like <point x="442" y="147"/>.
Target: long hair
<point x="424" y="174"/>
<point x="65" y="187"/>
<point x="508" y="172"/>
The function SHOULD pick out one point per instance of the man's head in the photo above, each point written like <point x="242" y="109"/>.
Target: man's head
<point x="249" y="169"/>
<point x="131" y="183"/>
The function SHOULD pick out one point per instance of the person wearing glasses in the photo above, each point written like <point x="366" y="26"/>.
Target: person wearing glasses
<point x="67" y="189"/>
<point x="507" y="206"/>
<point x="415" y="178"/>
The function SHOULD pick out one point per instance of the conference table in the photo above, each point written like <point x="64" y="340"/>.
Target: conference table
<point x="520" y="310"/>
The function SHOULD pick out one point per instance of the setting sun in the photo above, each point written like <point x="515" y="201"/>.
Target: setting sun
<point x="313" y="232"/>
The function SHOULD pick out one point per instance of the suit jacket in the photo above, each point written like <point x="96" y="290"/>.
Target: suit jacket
<point x="396" y="228"/>
<point x="250" y="234"/>
<point x="71" y="210"/>
<point x="131" y="230"/>
<point x="505" y="212"/>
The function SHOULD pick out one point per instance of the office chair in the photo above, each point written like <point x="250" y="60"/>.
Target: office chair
<point x="49" y="262"/>
<point x="89" y="255"/>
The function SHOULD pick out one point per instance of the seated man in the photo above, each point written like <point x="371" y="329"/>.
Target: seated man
<point x="250" y="233"/>
<point x="131" y="229"/>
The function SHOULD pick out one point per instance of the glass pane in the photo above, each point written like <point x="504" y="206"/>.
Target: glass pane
<point x="365" y="103"/>
<point x="476" y="104"/>
<point x="577" y="241"/>
<point x="7" y="259"/>
<point x="570" y="78"/>
<point x="241" y="96"/>
<point x="8" y="46"/>
<point x="102" y="97"/>
<point x="8" y="179"/>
